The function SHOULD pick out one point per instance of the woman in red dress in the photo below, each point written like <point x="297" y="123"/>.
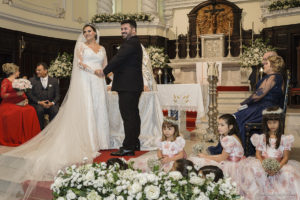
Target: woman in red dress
<point x="18" y="120"/>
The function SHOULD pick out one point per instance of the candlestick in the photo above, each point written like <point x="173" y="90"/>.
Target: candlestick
<point x="229" y="31"/>
<point x="241" y="39"/>
<point x="229" y="47"/>
<point x="197" y="49"/>
<point x="252" y="32"/>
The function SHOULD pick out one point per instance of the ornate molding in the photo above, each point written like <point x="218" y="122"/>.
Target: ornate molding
<point x="38" y="24"/>
<point x="57" y="9"/>
<point x="266" y="14"/>
<point x="104" y="6"/>
<point x="171" y="5"/>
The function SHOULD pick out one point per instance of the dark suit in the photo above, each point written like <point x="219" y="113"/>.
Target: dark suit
<point x="39" y="93"/>
<point x="128" y="82"/>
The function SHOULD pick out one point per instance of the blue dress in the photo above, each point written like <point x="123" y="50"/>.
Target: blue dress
<point x="268" y="93"/>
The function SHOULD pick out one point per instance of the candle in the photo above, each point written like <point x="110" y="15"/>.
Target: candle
<point x="252" y="31"/>
<point x="229" y="32"/>
<point x="241" y="29"/>
<point x="176" y="33"/>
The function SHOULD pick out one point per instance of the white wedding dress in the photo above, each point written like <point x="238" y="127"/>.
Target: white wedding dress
<point x="80" y="129"/>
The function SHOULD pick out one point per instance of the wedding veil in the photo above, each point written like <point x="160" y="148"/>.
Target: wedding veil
<point x="62" y="143"/>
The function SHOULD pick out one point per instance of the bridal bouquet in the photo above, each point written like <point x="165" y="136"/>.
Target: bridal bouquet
<point x="158" y="57"/>
<point x="61" y="67"/>
<point x="97" y="181"/>
<point x="21" y="84"/>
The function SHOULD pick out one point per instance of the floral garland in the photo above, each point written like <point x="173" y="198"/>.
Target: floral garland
<point x="99" y="18"/>
<point x="252" y="55"/>
<point x="99" y="182"/>
<point x="284" y="4"/>
<point x="158" y="57"/>
<point x="61" y="67"/>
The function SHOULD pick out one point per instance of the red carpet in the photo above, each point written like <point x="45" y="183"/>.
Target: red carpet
<point x="191" y="117"/>
<point x="105" y="155"/>
<point x="233" y="88"/>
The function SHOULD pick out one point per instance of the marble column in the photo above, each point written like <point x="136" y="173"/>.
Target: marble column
<point x="104" y="6"/>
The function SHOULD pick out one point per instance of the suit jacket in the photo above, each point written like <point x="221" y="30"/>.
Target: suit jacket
<point x="127" y="67"/>
<point x="38" y="93"/>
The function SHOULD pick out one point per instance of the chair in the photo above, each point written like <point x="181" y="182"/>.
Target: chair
<point x="293" y="92"/>
<point x="250" y="127"/>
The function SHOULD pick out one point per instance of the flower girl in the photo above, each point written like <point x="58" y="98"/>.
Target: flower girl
<point x="271" y="175"/>
<point x="171" y="148"/>
<point x="232" y="152"/>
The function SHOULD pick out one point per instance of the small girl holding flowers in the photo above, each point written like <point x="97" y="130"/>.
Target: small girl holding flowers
<point x="271" y="175"/>
<point x="170" y="149"/>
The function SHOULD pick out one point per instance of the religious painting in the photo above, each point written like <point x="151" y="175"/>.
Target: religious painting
<point x="215" y="19"/>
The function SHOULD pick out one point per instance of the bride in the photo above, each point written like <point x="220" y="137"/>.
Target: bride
<point x="79" y="130"/>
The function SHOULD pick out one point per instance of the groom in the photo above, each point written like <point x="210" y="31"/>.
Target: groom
<point x="126" y="66"/>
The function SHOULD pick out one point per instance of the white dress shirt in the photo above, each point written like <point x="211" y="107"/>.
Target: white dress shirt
<point x="44" y="81"/>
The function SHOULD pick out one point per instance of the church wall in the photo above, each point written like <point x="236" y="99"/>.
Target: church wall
<point x="34" y="19"/>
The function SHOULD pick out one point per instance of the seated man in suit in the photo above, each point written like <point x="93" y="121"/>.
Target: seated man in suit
<point x="44" y="95"/>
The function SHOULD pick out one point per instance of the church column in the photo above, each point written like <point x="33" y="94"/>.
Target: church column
<point x="104" y="6"/>
<point x="150" y="7"/>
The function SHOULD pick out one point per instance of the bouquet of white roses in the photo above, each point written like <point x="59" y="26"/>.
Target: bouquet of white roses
<point x="158" y="57"/>
<point x="252" y="55"/>
<point x="61" y="67"/>
<point x="97" y="181"/>
<point x="21" y="84"/>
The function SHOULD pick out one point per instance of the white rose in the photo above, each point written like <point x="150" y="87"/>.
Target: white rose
<point x="93" y="195"/>
<point x="82" y="198"/>
<point x="60" y="198"/>
<point x="176" y="175"/>
<point x="90" y="175"/>
<point x="152" y="192"/>
<point x="120" y="198"/>
<point x="70" y="195"/>
<point x="172" y="195"/>
<point x="135" y="188"/>
<point x="197" y="180"/>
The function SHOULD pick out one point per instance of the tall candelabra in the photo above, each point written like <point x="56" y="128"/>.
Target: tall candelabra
<point x="212" y="130"/>
<point x="197" y="50"/>
<point x="177" y="51"/>
<point x="187" y="46"/>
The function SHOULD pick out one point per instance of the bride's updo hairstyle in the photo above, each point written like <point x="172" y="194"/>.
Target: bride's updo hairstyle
<point x="93" y="27"/>
<point x="277" y="63"/>
<point x="9" y="68"/>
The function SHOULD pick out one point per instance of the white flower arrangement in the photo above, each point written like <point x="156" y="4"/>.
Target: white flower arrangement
<point x="118" y="17"/>
<point x="284" y="4"/>
<point x="158" y="57"/>
<point x="97" y="181"/>
<point x="61" y="67"/>
<point x="21" y="84"/>
<point x="252" y="55"/>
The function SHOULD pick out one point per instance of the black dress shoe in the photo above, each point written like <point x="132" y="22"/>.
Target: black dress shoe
<point x="123" y="152"/>
<point x="137" y="147"/>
